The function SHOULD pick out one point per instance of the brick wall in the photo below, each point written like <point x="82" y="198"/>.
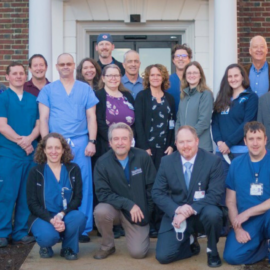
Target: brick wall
<point x="253" y="18"/>
<point x="13" y="33"/>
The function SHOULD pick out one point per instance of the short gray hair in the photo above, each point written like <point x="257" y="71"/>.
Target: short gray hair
<point x="129" y="51"/>
<point x="120" y="125"/>
<point x="250" y="43"/>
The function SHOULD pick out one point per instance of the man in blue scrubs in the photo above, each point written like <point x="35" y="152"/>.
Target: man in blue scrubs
<point x="68" y="107"/>
<point x="132" y="80"/>
<point x="181" y="56"/>
<point x="247" y="197"/>
<point x="19" y="128"/>
<point x="259" y="69"/>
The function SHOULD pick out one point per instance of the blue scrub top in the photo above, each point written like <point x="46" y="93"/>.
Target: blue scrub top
<point x="174" y="89"/>
<point x="68" y="112"/>
<point x="242" y="174"/>
<point x="135" y="88"/>
<point x="21" y="117"/>
<point x="53" y="189"/>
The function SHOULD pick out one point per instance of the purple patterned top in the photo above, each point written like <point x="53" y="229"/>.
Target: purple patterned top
<point x="119" y="110"/>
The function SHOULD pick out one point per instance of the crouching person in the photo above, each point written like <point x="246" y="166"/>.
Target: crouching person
<point x="54" y="193"/>
<point x="123" y="180"/>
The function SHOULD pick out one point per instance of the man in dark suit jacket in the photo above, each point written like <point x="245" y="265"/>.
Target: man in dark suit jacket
<point x="188" y="187"/>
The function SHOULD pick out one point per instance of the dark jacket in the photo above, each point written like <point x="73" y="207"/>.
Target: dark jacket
<point x="112" y="187"/>
<point x="35" y="192"/>
<point x="119" y="64"/>
<point x="143" y="115"/>
<point x="102" y="134"/>
<point x="170" y="191"/>
<point x="248" y="67"/>
<point x="229" y="128"/>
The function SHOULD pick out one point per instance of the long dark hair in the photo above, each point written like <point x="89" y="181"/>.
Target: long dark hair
<point x="80" y="77"/>
<point x="223" y="100"/>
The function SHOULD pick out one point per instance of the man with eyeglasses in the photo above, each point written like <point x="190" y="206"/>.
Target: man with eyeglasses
<point x="68" y="106"/>
<point x="181" y="56"/>
<point x="104" y="49"/>
<point x="132" y="80"/>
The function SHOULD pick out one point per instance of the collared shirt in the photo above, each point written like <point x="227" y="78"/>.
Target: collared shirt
<point x="192" y="161"/>
<point x="31" y="88"/>
<point x="135" y="88"/>
<point x="174" y="89"/>
<point x="68" y="112"/>
<point x="259" y="80"/>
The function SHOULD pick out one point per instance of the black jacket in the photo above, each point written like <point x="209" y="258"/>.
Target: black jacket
<point x="102" y="134"/>
<point x="112" y="187"/>
<point x="35" y="192"/>
<point x="143" y="115"/>
<point x="170" y="191"/>
<point x="119" y="64"/>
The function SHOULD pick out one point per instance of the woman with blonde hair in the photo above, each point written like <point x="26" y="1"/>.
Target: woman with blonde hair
<point x="196" y="104"/>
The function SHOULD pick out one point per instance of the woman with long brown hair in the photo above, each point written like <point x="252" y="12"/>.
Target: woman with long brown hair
<point x="196" y="104"/>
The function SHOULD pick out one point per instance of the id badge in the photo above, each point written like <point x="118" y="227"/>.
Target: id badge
<point x="171" y="124"/>
<point x="64" y="204"/>
<point x="198" y="195"/>
<point x="256" y="189"/>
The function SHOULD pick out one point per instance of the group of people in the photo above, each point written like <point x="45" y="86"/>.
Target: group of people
<point x="55" y="137"/>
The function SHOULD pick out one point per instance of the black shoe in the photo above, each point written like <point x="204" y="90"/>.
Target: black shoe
<point x="25" y="240"/>
<point x="117" y="232"/>
<point x="153" y="233"/>
<point x="195" y="248"/>
<point x="3" y="242"/>
<point x="84" y="239"/>
<point x="68" y="254"/>
<point x="213" y="261"/>
<point x="45" y="252"/>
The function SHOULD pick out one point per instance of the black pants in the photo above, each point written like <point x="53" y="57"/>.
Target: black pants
<point x="209" y="221"/>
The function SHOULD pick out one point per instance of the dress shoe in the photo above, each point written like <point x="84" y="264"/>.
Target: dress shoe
<point x="25" y="240"/>
<point x="195" y="248"/>
<point x="103" y="254"/>
<point x="153" y="233"/>
<point x="45" y="252"/>
<point x="68" y="254"/>
<point x="3" y="242"/>
<point x="84" y="239"/>
<point x="213" y="261"/>
<point x="117" y="231"/>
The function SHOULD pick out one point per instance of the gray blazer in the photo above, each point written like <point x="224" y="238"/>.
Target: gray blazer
<point x="195" y="110"/>
<point x="264" y="115"/>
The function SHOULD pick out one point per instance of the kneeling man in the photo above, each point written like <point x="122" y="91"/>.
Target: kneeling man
<point x="123" y="180"/>
<point x="248" y="193"/>
<point x="188" y="188"/>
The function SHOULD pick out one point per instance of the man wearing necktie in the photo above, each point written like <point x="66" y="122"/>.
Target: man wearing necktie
<point x="188" y="188"/>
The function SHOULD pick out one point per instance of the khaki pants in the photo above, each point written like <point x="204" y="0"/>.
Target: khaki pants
<point x="137" y="237"/>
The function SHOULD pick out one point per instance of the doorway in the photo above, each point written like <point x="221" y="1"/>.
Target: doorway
<point x="153" y="49"/>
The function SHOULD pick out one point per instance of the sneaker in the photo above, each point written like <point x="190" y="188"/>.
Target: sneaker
<point x="103" y="254"/>
<point x="25" y="240"/>
<point x="68" y="254"/>
<point x="3" y="242"/>
<point x="45" y="252"/>
<point x="84" y="239"/>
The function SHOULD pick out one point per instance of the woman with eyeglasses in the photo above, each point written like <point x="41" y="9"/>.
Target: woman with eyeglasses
<point x="54" y="193"/>
<point x="196" y="104"/>
<point x="89" y="71"/>
<point x="154" y="123"/>
<point x="116" y="104"/>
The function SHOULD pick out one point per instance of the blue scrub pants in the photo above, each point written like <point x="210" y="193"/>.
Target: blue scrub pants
<point x="78" y="145"/>
<point x="254" y="250"/>
<point x="47" y="236"/>
<point x="13" y="179"/>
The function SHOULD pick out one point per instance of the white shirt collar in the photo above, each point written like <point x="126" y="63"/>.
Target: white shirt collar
<point x="192" y="161"/>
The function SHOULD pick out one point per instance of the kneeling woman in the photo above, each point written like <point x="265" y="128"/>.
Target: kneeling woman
<point x="54" y="193"/>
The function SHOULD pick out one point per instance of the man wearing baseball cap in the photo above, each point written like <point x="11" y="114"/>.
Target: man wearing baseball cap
<point x="104" y="48"/>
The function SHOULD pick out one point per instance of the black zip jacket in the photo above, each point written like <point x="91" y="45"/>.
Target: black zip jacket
<point x="112" y="187"/>
<point x="35" y="192"/>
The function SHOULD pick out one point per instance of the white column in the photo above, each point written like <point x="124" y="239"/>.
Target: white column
<point x="225" y="38"/>
<point x="40" y="31"/>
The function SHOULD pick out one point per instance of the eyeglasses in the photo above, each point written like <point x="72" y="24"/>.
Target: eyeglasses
<point x="110" y="76"/>
<point x="178" y="56"/>
<point x="65" y="64"/>
<point x="193" y="73"/>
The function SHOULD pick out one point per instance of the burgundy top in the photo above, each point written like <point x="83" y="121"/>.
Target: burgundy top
<point x="119" y="110"/>
<point x="31" y="88"/>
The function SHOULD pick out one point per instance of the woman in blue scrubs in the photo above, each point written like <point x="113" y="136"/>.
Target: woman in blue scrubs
<point x="54" y="193"/>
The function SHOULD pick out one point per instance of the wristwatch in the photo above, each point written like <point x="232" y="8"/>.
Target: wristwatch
<point x="92" y="141"/>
